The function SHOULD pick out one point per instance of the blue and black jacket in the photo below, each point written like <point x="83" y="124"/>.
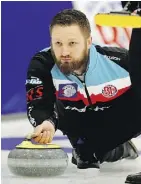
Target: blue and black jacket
<point x="104" y="98"/>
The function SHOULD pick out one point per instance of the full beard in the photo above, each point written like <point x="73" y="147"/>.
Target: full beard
<point x="69" y="67"/>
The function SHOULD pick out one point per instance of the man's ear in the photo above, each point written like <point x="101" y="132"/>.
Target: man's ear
<point x="89" y="42"/>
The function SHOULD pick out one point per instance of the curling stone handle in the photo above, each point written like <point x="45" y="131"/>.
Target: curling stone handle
<point x="29" y="137"/>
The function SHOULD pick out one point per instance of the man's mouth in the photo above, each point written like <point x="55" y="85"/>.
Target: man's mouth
<point x="65" y="59"/>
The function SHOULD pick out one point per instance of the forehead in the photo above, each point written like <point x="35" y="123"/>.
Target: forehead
<point x="66" y="32"/>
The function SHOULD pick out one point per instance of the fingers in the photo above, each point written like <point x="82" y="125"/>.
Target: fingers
<point x="38" y="138"/>
<point x="51" y="137"/>
<point x="44" y="138"/>
<point x="37" y="131"/>
<point x="41" y="138"/>
<point x="43" y="133"/>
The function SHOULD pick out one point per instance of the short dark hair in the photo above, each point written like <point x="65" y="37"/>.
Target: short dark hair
<point x="69" y="17"/>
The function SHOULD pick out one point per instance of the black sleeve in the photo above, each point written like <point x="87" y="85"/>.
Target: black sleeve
<point x="118" y="55"/>
<point x="135" y="62"/>
<point x="40" y="92"/>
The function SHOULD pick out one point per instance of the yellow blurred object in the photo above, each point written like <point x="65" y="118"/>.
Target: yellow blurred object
<point x="118" y="20"/>
<point x="26" y="144"/>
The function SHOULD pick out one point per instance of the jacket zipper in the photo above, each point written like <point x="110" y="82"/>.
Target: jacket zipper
<point x="86" y="91"/>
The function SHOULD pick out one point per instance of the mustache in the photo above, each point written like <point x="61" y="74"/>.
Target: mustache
<point x="65" y="57"/>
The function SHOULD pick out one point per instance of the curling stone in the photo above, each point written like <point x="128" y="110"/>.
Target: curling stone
<point x="34" y="160"/>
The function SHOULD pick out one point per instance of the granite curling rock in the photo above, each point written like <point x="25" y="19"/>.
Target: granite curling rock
<point x="34" y="160"/>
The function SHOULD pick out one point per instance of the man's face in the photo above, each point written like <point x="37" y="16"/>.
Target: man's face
<point x="69" y="47"/>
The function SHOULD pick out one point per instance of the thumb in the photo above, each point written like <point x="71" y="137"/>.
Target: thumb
<point x="37" y="131"/>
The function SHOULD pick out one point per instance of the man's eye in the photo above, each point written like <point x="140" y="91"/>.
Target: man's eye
<point x="72" y="43"/>
<point x="58" y="43"/>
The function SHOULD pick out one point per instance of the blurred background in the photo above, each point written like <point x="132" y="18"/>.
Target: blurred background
<point x="25" y="31"/>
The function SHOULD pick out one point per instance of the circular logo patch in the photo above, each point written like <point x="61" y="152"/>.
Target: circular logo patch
<point x="109" y="91"/>
<point x="69" y="90"/>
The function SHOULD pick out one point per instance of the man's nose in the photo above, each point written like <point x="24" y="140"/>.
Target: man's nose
<point x="65" y="51"/>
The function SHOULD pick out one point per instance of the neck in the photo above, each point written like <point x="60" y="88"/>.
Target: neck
<point x="81" y="70"/>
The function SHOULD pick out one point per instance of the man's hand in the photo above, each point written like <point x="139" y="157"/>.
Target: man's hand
<point x="44" y="133"/>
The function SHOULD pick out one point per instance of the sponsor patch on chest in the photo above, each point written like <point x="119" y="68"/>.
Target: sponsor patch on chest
<point x="109" y="91"/>
<point x="67" y="90"/>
